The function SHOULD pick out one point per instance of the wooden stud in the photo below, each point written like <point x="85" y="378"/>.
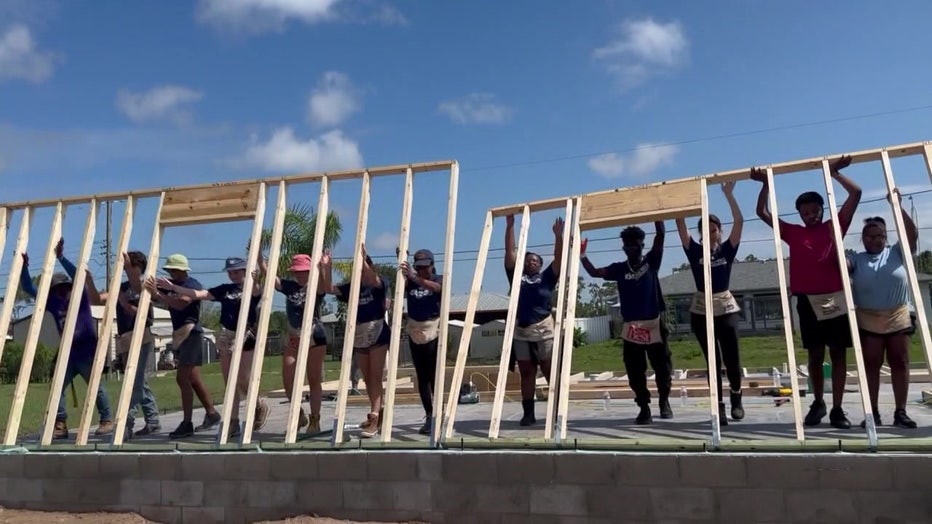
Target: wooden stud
<point x="352" y="309"/>
<point x="440" y="373"/>
<point x="307" y="321"/>
<point x="927" y="156"/>
<point x="555" y="382"/>
<point x="394" y="347"/>
<point x="4" y="229"/>
<point x="895" y="204"/>
<point x="242" y="318"/>
<point x="785" y="305"/>
<point x="510" y="322"/>
<point x="849" y="299"/>
<point x="78" y="291"/>
<point x="35" y="326"/>
<point x="567" y="360"/>
<point x="462" y="351"/>
<point x="12" y="282"/>
<point x="139" y="329"/>
<point x="264" y="314"/>
<point x="715" y="389"/>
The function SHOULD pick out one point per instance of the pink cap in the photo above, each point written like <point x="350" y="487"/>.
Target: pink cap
<point x="300" y="263"/>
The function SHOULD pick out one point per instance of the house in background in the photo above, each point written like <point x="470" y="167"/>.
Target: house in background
<point x="755" y="285"/>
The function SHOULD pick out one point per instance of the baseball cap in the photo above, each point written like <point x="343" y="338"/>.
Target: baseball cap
<point x="234" y="263"/>
<point x="300" y="263"/>
<point x="177" y="261"/>
<point x="59" y="279"/>
<point x="423" y="258"/>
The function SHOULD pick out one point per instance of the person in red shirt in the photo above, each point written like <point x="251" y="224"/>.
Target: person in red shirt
<point x="815" y="280"/>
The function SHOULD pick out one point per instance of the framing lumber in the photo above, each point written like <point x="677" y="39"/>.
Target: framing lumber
<point x="78" y="290"/>
<point x="849" y="303"/>
<point x="563" y="391"/>
<point x="445" y="293"/>
<point x="217" y="204"/>
<point x="555" y="382"/>
<point x="242" y="317"/>
<point x="307" y="320"/>
<point x="12" y="281"/>
<point x="4" y="229"/>
<point x="712" y="363"/>
<point x="265" y="313"/>
<point x="785" y="310"/>
<point x="639" y="204"/>
<point x="352" y="310"/>
<point x="394" y="346"/>
<point x="139" y="329"/>
<point x="35" y="326"/>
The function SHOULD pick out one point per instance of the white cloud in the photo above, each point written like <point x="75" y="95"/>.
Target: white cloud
<point x="159" y="103"/>
<point x="385" y="242"/>
<point x="642" y="161"/>
<point x="643" y="48"/>
<point x="261" y="16"/>
<point x="476" y="108"/>
<point x="333" y="100"/>
<point x="285" y="152"/>
<point x="20" y="57"/>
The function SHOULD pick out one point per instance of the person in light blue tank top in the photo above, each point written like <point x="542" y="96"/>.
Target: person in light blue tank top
<point x="885" y="313"/>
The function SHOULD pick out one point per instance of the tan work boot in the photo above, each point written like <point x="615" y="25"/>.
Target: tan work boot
<point x="370" y="427"/>
<point x="262" y="415"/>
<point x="105" y="427"/>
<point x="302" y="418"/>
<point x="313" y="426"/>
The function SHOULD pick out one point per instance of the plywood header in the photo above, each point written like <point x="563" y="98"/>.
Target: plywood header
<point x="219" y="203"/>
<point x="638" y="204"/>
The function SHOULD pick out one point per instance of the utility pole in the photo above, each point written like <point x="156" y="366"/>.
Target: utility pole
<point x="108" y="241"/>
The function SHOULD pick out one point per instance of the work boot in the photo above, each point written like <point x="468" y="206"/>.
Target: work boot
<point x="644" y="416"/>
<point x="104" y="428"/>
<point x="528" y="418"/>
<point x="425" y="429"/>
<point x="665" y="410"/>
<point x="313" y="426"/>
<point x="737" y="409"/>
<point x="370" y="427"/>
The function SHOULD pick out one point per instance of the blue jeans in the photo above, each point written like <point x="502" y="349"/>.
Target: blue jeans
<point x="81" y="365"/>
<point x="142" y="395"/>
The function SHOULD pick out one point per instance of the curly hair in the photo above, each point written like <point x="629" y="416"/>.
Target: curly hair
<point x="632" y="234"/>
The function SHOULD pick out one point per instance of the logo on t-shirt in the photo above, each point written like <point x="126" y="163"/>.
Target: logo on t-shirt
<point x="637" y="274"/>
<point x="297" y="298"/>
<point x="420" y="293"/>
<point x="716" y="262"/>
<point x="233" y="295"/>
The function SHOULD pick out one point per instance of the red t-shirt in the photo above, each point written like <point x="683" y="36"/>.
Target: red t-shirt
<point x="813" y="261"/>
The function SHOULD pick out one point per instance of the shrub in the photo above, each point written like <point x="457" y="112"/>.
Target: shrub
<point x="579" y="337"/>
<point x="42" y="366"/>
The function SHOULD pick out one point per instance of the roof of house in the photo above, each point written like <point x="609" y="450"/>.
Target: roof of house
<point x="487" y="302"/>
<point x="758" y="275"/>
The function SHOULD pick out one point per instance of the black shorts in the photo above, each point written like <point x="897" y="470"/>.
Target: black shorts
<point x="817" y="334"/>
<point x="191" y="351"/>
<point x="907" y="331"/>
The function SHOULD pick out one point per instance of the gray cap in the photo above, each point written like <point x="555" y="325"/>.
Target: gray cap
<point x="59" y="279"/>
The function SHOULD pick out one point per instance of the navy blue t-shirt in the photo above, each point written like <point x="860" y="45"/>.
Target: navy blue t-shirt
<point x="722" y="259"/>
<point x="535" y="300"/>
<point x="423" y="304"/>
<point x="371" y="300"/>
<point x="124" y="319"/>
<point x="230" y="296"/>
<point x="639" y="295"/>
<point x="191" y="314"/>
<point x="295" y="297"/>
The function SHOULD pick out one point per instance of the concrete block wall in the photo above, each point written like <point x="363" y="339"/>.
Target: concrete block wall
<point x="451" y="487"/>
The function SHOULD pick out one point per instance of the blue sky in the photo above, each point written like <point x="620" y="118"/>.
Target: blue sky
<point x="534" y="99"/>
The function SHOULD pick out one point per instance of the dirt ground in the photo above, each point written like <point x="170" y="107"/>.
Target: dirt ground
<point x="21" y="516"/>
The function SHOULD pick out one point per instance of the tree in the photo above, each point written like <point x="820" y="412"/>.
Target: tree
<point x="751" y="258"/>
<point x="210" y="315"/>
<point x="598" y="295"/>
<point x="298" y="234"/>
<point x="924" y="262"/>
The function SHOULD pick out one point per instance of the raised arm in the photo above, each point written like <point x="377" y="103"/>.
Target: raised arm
<point x="325" y="278"/>
<point x="161" y="298"/>
<point x="846" y="213"/>
<point x="93" y="294"/>
<point x="594" y="272"/>
<point x="412" y="277"/>
<point x="25" y="279"/>
<point x="557" y="263"/>
<point x="194" y="294"/>
<point x="912" y="232"/>
<point x="264" y="271"/>
<point x="681" y="228"/>
<point x="510" y="254"/>
<point x="763" y="207"/>
<point x="656" y="250"/>
<point x="737" y="219"/>
<point x="370" y="277"/>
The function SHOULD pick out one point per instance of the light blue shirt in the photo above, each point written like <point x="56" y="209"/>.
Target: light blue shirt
<point x="879" y="280"/>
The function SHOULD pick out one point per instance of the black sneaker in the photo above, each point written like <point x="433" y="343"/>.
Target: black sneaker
<point x="210" y="420"/>
<point x="665" y="410"/>
<point x="425" y="429"/>
<point x="902" y="420"/>
<point x="184" y="430"/>
<point x="528" y="419"/>
<point x="838" y="419"/>
<point x="737" y="408"/>
<point x="722" y="414"/>
<point x="876" y="421"/>
<point x="644" y="417"/>
<point x="816" y="413"/>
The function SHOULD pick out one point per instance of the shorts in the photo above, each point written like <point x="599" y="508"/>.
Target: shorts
<point x="541" y="350"/>
<point x="318" y="336"/>
<point x="226" y="337"/>
<point x="191" y="351"/>
<point x="815" y="333"/>
<point x="907" y="331"/>
<point x="385" y="337"/>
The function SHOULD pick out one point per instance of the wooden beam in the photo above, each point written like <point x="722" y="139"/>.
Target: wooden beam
<point x="715" y="389"/>
<point x="307" y="320"/>
<point x="78" y="291"/>
<point x="12" y="281"/>
<point x="445" y="294"/>
<point x="242" y="318"/>
<point x="264" y="314"/>
<point x="462" y="350"/>
<point x="35" y="327"/>
<point x="220" y="203"/>
<point x="510" y="322"/>
<point x="567" y="360"/>
<point x="139" y="327"/>
<point x="394" y="346"/>
<point x="298" y="178"/>
<point x="534" y="207"/>
<point x="785" y="310"/>
<point x="555" y="379"/>
<point x="351" y="311"/>
<point x="606" y="208"/>
<point x="849" y="300"/>
<point x="4" y="229"/>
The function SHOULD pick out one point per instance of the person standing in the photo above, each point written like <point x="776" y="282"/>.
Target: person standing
<point x="725" y="308"/>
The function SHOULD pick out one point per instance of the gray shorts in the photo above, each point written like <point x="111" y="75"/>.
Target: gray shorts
<point x="541" y="350"/>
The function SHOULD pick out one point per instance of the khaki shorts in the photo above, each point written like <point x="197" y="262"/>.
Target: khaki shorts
<point x="541" y="350"/>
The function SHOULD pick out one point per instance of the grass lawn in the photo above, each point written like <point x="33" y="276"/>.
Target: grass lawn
<point x="164" y="387"/>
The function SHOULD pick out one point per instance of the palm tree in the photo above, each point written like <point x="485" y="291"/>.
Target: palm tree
<point x="298" y="234"/>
